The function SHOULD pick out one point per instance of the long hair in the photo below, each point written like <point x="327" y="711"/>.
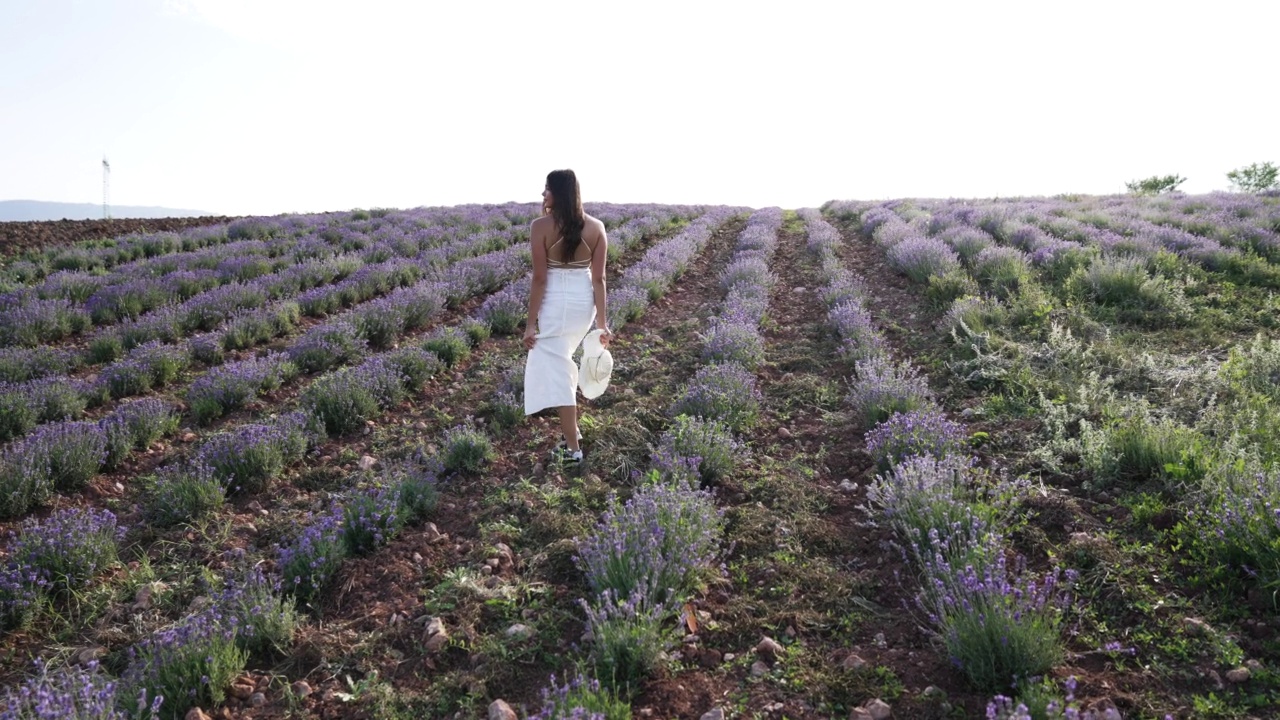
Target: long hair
<point x="566" y="209"/>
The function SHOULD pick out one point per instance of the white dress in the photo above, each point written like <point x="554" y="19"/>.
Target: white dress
<point x="564" y="319"/>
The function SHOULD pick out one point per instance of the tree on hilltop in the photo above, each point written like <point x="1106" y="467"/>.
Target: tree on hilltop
<point x="1155" y="185"/>
<point x="1255" y="178"/>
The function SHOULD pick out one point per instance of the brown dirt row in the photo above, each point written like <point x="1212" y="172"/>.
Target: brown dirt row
<point x="18" y="236"/>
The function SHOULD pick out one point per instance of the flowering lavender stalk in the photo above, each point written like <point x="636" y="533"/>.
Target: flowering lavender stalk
<point x="658" y="542"/>
<point x="733" y="340"/>
<point x="1047" y="704"/>
<point x="859" y="337"/>
<point x="581" y="698"/>
<point x="882" y="388"/>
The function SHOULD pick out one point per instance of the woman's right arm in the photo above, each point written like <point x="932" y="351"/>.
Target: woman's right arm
<point x="539" y="285"/>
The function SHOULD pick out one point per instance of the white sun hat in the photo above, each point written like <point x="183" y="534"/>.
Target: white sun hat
<point x="595" y="367"/>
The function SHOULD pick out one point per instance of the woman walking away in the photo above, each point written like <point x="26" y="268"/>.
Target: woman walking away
<point x="567" y="294"/>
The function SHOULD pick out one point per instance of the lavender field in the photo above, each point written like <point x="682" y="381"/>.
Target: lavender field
<point x="1008" y="458"/>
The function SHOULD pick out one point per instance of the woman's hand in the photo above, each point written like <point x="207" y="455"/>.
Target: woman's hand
<point x="605" y="336"/>
<point x="530" y="338"/>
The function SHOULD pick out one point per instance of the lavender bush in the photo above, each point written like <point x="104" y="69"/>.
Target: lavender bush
<point x="921" y="257"/>
<point x="581" y="698"/>
<point x="923" y="432"/>
<point x="659" y="542"/>
<point x="379" y="323"/>
<point x="1042" y="701"/>
<point x="450" y="344"/>
<point x="725" y="392"/>
<point x="17" y="414"/>
<point x="999" y="625"/>
<point x="189" y="665"/>
<point x="1003" y="269"/>
<point x="26" y="479"/>
<point x="74" y="452"/>
<point x="136" y="424"/>
<point x="182" y="493"/>
<point x="371" y="519"/>
<point x="38" y="322"/>
<point x="68" y="548"/>
<point x="708" y="446"/>
<point x="466" y="448"/>
<point x="72" y="693"/>
<point x="733" y="340"/>
<point x="265" y="621"/>
<point x="629" y="635"/>
<point x="308" y="564"/>
<point x="415" y="366"/>
<point x="327" y="346"/>
<point x="505" y="310"/>
<point x="247" y="458"/>
<point x="882" y="388"/>
<point x="231" y="386"/>
<point x="18" y="364"/>
<point x="859" y="337"/>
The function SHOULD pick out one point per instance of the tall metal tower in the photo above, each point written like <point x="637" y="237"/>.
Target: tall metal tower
<point x="106" y="189"/>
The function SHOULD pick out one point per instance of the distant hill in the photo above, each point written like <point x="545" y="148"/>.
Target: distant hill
<point x="36" y="210"/>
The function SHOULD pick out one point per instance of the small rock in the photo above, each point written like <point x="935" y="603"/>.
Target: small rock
<point x="798" y="289"/>
<point x="301" y="688"/>
<point x="774" y="707"/>
<point x="142" y="600"/>
<point x="784" y="433"/>
<point x="435" y="626"/>
<point x="486" y="570"/>
<point x="730" y="657"/>
<point x="257" y="700"/>
<point x="241" y="690"/>
<point x="539" y="470"/>
<point x="367" y="462"/>
<point x="933" y="692"/>
<point x="500" y="710"/>
<point x="1215" y="678"/>
<point x="519" y="631"/>
<point x="436" y="642"/>
<point x="89" y="654"/>
<point x="713" y="714"/>
<point x="769" y="649"/>
<point x="709" y="658"/>
<point x="880" y="641"/>
<point x="1238" y="675"/>
<point x="493" y="563"/>
<point x="506" y="558"/>
<point x="879" y="709"/>
<point x="417" y="558"/>
<point x="119" y="486"/>
<point x="1253" y="665"/>
<point x="432" y="532"/>
<point x="859" y="714"/>
<point x="759" y="669"/>
<point x="854" y="661"/>
<point x="189" y="438"/>
<point x="196" y="713"/>
<point x="848" y="486"/>
<point x="1197" y="627"/>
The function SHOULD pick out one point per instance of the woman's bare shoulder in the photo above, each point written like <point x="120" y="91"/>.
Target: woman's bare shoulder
<point x="593" y="223"/>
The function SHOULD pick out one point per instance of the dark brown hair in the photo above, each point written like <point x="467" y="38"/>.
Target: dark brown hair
<point x="566" y="209"/>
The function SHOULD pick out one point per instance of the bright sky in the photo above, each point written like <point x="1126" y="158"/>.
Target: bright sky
<point x="270" y="106"/>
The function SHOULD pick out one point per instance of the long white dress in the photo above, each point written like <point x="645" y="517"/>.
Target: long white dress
<point x="564" y="319"/>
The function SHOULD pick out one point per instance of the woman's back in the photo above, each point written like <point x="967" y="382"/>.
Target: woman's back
<point x="556" y="246"/>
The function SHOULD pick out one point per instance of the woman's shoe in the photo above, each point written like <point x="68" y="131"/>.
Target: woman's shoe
<point x="567" y="457"/>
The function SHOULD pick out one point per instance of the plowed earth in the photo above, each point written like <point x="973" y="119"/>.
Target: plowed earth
<point x="18" y="236"/>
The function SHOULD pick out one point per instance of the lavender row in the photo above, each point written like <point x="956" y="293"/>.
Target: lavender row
<point x="650" y="277"/>
<point x="733" y="335"/>
<point x="999" y="622"/>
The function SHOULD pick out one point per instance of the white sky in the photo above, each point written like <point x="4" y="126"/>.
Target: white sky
<point x="269" y="106"/>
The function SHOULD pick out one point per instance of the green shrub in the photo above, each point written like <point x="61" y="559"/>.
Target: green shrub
<point x="946" y="288"/>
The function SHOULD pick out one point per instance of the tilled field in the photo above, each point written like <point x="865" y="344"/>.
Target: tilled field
<point x="881" y="460"/>
<point x="18" y="236"/>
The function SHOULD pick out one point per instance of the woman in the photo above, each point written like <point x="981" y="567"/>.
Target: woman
<point x="567" y="295"/>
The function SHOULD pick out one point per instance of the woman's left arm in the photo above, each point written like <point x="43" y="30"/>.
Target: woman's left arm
<point x="538" y="287"/>
<point x="598" y="258"/>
